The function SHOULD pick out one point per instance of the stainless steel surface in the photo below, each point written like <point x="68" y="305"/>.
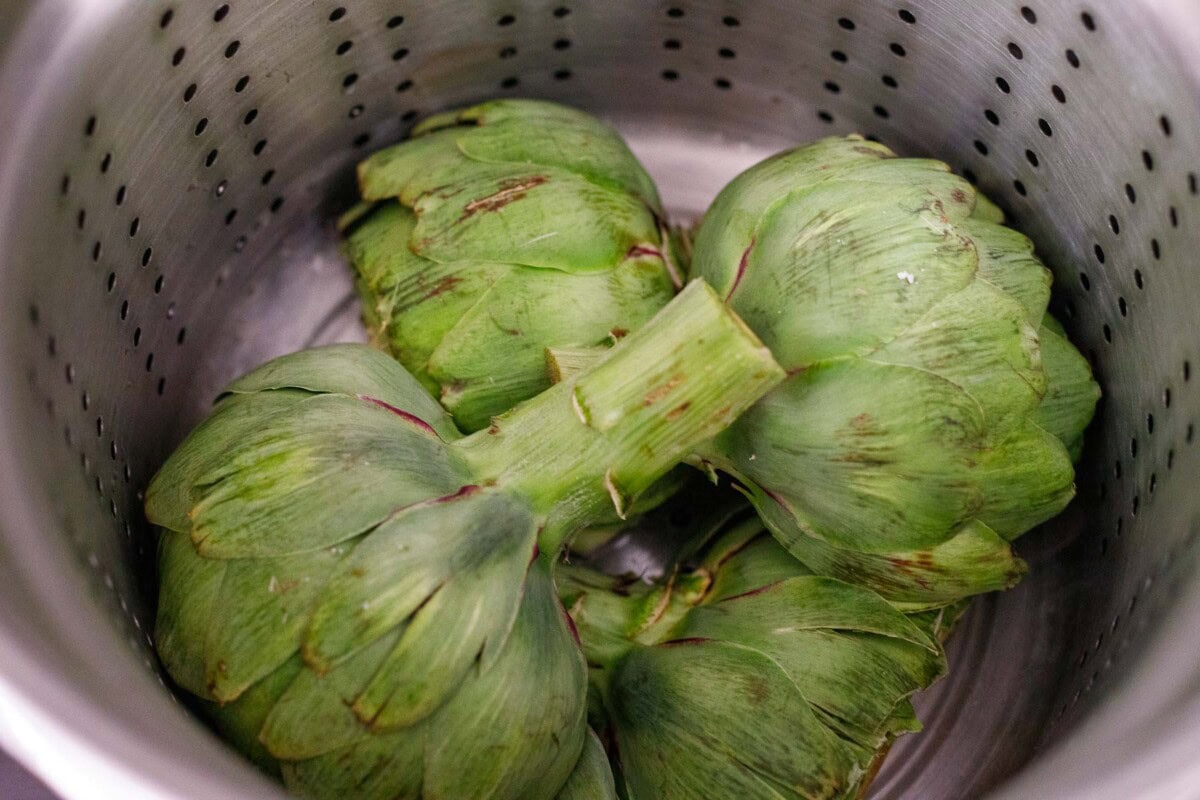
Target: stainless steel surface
<point x="168" y="171"/>
<point x="16" y="783"/>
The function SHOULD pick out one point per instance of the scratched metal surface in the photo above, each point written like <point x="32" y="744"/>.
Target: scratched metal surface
<point x="165" y="206"/>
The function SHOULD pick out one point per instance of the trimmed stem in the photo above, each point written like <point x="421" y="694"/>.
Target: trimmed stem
<point x="565" y="363"/>
<point x="599" y="440"/>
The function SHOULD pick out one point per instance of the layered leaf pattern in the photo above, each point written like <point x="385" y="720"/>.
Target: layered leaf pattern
<point x="932" y="413"/>
<point x="498" y="231"/>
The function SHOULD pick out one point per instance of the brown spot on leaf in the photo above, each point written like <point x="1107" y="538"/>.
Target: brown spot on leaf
<point x="678" y="411"/>
<point x="752" y="592"/>
<point x="659" y="392"/>
<point x="619" y="333"/>
<point x="757" y="689"/>
<point x="741" y="270"/>
<point x="959" y="196"/>
<point x="639" y="250"/>
<point x="510" y="191"/>
<point x="444" y="285"/>
<point x="407" y="417"/>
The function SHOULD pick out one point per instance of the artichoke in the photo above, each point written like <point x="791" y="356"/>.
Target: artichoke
<point x="747" y="676"/>
<point x="592" y="778"/>
<point x="354" y="590"/>
<point x="497" y="231"/>
<point x="931" y="402"/>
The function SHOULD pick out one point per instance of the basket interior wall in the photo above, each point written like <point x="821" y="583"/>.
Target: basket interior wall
<point x="166" y="226"/>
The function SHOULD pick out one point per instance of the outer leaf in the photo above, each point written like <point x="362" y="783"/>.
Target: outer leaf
<point x="241" y="721"/>
<point x="1072" y="394"/>
<point x="592" y="777"/>
<point x="733" y="219"/>
<point x="883" y="454"/>
<point x="377" y="767"/>
<point x="187" y="602"/>
<point x="510" y="326"/>
<point x="414" y="301"/>
<point x="845" y="267"/>
<point x="745" y="560"/>
<point x="388" y="173"/>
<point x="287" y="487"/>
<point x="261" y="610"/>
<point x="536" y="216"/>
<point x="979" y="340"/>
<point x="314" y="715"/>
<point x="477" y="569"/>
<point x="581" y="145"/>
<point x="171" y="494"/>
<point x="354" y="371"/>
<point x="972" y="561"/>
<point x="833" y="640"/>
<point x="1006" y="260"/>
<point x="525" y="714"/>
<point x="709" y="719"/>
<point x="470" y="548"/>
<point x="1028" y="478"/>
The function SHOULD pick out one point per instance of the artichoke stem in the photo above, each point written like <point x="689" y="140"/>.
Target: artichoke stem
<point x="597" y="440"/>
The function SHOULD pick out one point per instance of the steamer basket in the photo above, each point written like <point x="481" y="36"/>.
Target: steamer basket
<point x="169" y="170"/>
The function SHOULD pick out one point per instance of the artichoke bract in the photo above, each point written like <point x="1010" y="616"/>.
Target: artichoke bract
<point x="747" y="676"/>
<point x="497" y="231"/>
<point x="355" y="591"/>
<point x="930" y="405"/>
<point x="592" y="778"/>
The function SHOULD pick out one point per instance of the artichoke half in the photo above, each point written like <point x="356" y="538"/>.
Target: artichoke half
<point x="497" y="231"/>
<point x="354" y="590"/>
<point x="932" y="406"/>
<point x="747" y="676"/>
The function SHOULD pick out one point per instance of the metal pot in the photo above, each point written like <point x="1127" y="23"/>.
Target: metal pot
<point x="168" y="173"/>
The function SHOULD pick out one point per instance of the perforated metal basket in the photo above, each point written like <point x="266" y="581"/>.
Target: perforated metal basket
<point x="168" y="173"/>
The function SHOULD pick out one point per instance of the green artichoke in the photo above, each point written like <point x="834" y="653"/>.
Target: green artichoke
<point x="592" y="778"/>
<point x="747" y="676"/>
<point x="930" y="405"/>
<point x="497" y="231"/>
<point x="355" y="590"/>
